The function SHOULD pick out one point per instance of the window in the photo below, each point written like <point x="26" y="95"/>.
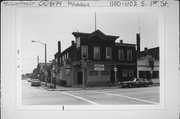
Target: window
<point x="60" y="60"/>
<point x="67" y="55"/>
<point x="96" y="52"/>
<point x="84" y="52"/>
<point x="63" y="58"/>
<point x="155" y="74"/>
<point x="131" y="72"/>
<point x="108" y="53"/>
<point x="124" y="72"/>
<point x="129" y="55"/>
<point x="121" y="54"/>
<point x="93" y="73"/>
<point x="104" y="73"/>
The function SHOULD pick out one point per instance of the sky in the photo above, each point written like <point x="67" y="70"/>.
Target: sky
<point x="51" y="27"/>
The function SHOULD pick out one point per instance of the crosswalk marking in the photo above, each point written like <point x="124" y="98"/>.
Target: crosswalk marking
<point x="128" y="97"/>
<point x="94" y="103"/>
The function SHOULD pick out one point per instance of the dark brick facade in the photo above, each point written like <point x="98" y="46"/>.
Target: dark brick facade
<point x="108" y="56"/>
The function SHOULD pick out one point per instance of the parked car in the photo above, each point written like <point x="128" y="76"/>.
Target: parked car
<point x="136" y="83"/>
<point x="28" y="79"/>
<point x="35" y="82"/>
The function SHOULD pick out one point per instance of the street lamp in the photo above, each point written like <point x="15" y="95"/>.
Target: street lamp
<point x="45" y="57"/>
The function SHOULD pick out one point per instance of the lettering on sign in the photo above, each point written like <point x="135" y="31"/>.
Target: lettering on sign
<point x="98" y="67"/>
<point x="108" y="3"/>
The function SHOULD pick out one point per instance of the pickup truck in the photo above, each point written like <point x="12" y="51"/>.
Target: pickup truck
<point x="136" y="83"/>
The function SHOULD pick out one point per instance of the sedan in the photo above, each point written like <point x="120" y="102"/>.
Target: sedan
<point x="136" y="83"/>
<point x="28" y="79"/>
<point x="35" y="82"/>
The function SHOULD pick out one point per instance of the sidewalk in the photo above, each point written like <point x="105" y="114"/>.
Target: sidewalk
<point x="62" y="88"/>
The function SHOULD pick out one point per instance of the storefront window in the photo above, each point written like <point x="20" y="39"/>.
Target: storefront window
<point x="125" y="72"/>
<point x="93" y="73"/>
<point x="104" y="73"/>
<point x="155" y="74"/>
<point x="131" y="72"/>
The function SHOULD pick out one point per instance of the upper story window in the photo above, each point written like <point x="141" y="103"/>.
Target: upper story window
<point x="96" y="52"/>
<point x="121" y="54"/>
<point x="108" y="53"/>
<point x="129" y="55"/>
<point x="60" y="60"/>
<point x="63" y="58"/>
<point x="84" y="52"/>
<point x="67" y="55"/>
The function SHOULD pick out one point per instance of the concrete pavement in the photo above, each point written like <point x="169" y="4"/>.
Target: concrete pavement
<point x="63" y="88"/>
<point x="33" y="95"/>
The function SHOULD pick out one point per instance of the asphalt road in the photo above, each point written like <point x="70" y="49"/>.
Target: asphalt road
<point x="40" y="96"/>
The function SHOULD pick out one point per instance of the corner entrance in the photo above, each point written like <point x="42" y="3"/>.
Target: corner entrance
<point x="112" y="77"/>
<point x="79" y="78"/>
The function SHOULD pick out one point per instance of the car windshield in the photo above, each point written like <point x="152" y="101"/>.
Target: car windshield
<point x="134" y="79"/>
<point x="35" y="79"/>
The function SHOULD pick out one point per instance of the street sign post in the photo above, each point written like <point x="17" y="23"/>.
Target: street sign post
<point x="115" y="73"/>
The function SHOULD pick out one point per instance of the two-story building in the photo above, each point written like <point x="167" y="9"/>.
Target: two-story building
<point x="95" y="59"/>
<point x="148" y="64"/>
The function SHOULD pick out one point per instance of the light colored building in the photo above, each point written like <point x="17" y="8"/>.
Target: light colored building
<point x="148" y="64"/>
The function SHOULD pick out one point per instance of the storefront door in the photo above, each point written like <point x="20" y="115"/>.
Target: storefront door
<point x="79" y="78"/>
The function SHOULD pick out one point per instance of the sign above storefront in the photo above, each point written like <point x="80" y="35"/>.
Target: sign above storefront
<point x="99" y="67"/>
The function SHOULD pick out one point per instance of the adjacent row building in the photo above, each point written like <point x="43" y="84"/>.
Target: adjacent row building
<point x="148" y="64"/>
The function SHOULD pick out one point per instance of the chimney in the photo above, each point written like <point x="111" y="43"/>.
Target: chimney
<point x="37" y="59"/>
<point x="59" y="47"/>
<point x="146" y="50"/>
<point x="121" y="41"/>
<point x="72" y="42"/>
<point x="138" y="42"/>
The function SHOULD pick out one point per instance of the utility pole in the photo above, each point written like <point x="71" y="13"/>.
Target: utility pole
<point x="83" y="73"/>
<point x="95" y="21"/>
<point x="37" y="59"/>
<point x="45" y="59"/>
<point x="45" y="64"/>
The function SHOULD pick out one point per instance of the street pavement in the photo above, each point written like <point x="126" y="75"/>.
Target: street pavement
<point x="90" y="96"/>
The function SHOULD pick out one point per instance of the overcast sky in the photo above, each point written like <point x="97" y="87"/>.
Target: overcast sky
<point x="52" y="27"/>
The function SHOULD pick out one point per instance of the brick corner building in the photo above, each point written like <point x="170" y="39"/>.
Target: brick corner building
<point x="95" y="59"/>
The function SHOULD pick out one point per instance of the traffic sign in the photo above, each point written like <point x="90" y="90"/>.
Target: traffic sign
<point x="115" y="68"/>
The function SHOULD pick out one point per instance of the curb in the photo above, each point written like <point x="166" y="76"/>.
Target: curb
<point x="95" y="88"/>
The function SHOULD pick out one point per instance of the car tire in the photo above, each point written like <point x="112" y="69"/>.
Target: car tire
<point x="146" y="85"/>
<point x="130" y="85"/>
